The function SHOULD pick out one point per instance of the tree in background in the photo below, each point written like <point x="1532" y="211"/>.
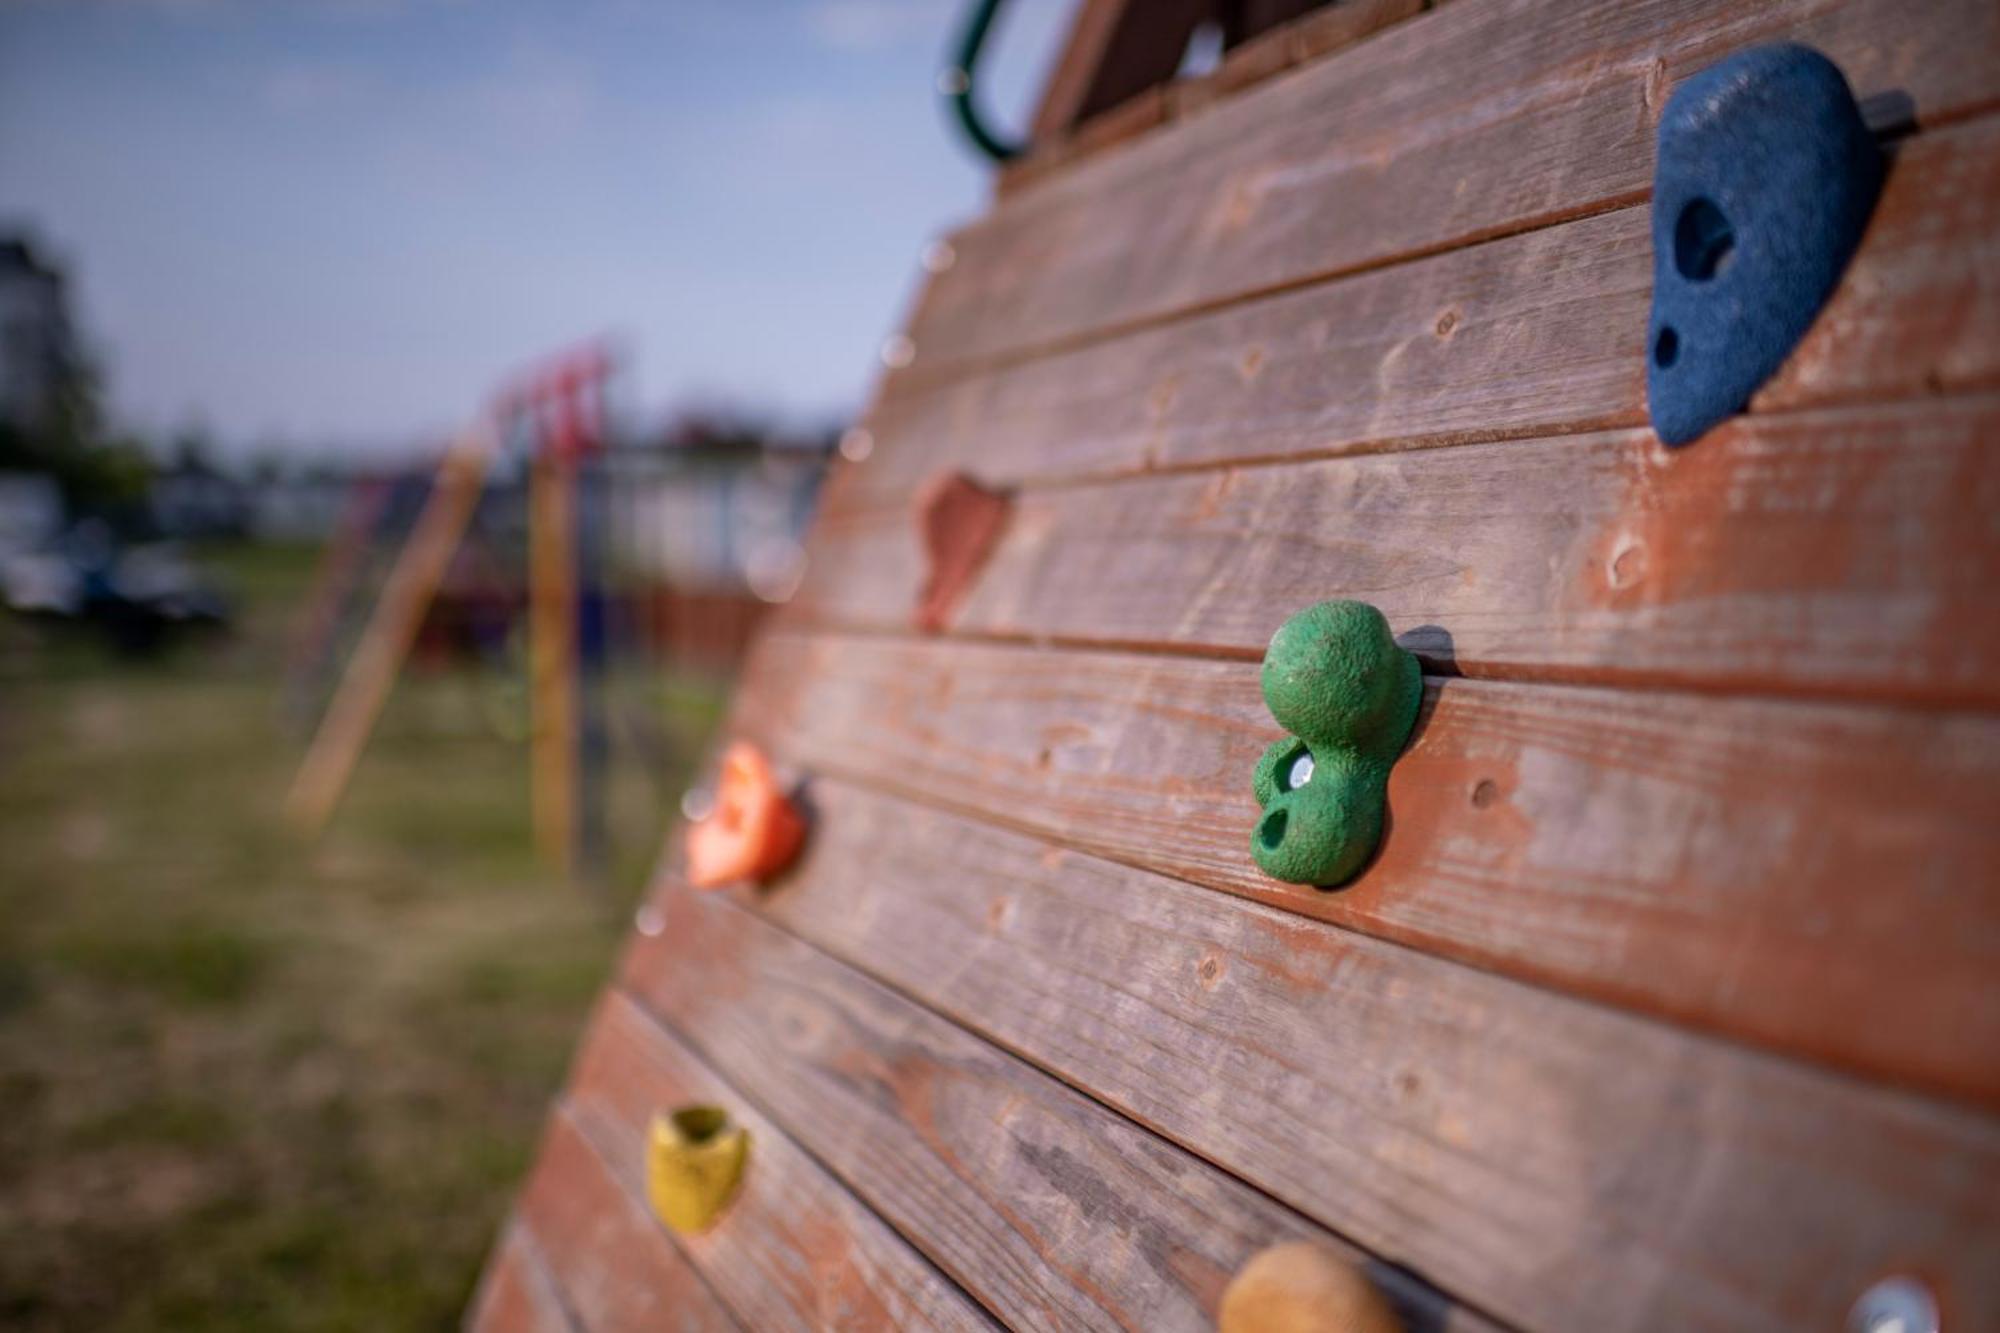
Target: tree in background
<point x="51" y="402"/>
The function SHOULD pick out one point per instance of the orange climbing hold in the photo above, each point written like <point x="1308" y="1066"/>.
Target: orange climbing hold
<point x="754" y="830"/>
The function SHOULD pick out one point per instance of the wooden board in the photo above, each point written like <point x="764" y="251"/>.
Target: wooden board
<point x="1479" y="119"/>
<point x="1844" y="552"/>
<point x="517" y="1295"/>
<point x="1721" y="862"/>
<point x="616" y="1267"/>
<point x="794" y="1249"/>
<point x="1052" y="1211"/>
<point x="1531" y="335"/>
<point x="1576" y="1168"/>
<point x="1668" y="1002"/>
<point x="1319" y="31"/>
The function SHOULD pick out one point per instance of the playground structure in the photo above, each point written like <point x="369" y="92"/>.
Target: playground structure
<point x="1660" y="994"/>
<point x="534" y="551"/>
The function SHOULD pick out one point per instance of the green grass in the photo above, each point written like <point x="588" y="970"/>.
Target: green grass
<point x="249" y="1085"/>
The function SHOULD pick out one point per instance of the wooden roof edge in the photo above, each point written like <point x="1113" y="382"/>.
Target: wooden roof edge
<point x="1319" y="33"/>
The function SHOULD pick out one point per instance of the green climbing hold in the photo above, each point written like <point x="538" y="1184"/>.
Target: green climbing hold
<point x="1336" y="680"/>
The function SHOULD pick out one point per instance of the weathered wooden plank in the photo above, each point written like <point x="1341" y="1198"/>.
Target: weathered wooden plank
<point x="1282" y="37"/>
<point x="615" y="1265"/>
<point x="516" y="1294"/>
<point x="1753" y="867"/>
<point x="1320" y="31"/>
<point x="1481" y="118"/>
<point x="1052" y="1211"/>
<point x="1537" y="334"/>
<point x="794" y="1250"/>
<point x="1566" y="1166"/>
<point x="1845" y="552"/>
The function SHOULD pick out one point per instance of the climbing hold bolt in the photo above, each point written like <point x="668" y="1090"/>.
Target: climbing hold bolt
<point x="1336" y="680"/>
<point x="1300" y="1287"/>
<point x="694" y="1162"/>
<point x="1763" y="184"/>
<point x="752" y="832"/>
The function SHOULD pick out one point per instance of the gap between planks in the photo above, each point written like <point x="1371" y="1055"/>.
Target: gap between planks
<point x="1451" y="1247"/>
<point x="819" y="1207"/>
<point x="1144" y="763"/>
<point x="1777" y="559"/>
<point x="1575" y="83"/>
<point x="622" y="1227"/>
<point x="940" y="378"/>
<point x="1244" y="1215"/>
<point x="518" y="1293"/>
<point x="1555" y="318"/>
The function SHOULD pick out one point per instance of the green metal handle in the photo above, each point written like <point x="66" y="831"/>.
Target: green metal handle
<point x="958" y="80"/>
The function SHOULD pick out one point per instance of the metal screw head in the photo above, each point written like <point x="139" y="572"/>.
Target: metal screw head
<point x="898" y="351"/>
<point x="648" y="921"/>
<point x="856" y="444"/>
<point x="697" y="804"/>
<point x="1894" y="1305"/>
<point x="939" y="256"/>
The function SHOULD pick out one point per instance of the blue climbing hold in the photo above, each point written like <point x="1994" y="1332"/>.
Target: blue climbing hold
<point x="1765" y="179"/>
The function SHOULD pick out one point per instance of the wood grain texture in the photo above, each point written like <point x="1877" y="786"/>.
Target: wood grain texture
<point x="1052" y="1211"/>
<point x="1537" y="334"/>
<point x="516" y="1294"/>
<point x="1320" y="31"/>
<point x="794" y="1249"/>
<point x="1283" y="41"/>
<point x="1847" y="552"/>
<point x="1752" y="867"/>
<point x="1480" y="118"/>
<point x="1345" y="22"/>
<point x="617" y="1268"/>
<point x="1567" y="1166"/>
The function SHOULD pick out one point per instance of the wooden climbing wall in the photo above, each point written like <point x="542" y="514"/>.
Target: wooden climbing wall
<point x="1673" y="999"/>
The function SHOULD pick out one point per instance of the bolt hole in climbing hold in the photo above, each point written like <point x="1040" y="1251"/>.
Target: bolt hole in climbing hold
<point x="1272" y="831"/>
<point x="699" y="1124"/>
<point x="1666" y="348"/>
<point x="1704" y="242"/>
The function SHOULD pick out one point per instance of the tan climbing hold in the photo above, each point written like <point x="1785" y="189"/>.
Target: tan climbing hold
<point x="1300" y="1287"/>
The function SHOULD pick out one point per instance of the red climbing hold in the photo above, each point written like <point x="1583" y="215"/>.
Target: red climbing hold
<point x="959" y="522"/>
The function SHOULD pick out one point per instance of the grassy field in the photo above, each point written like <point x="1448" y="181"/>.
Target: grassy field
<point x="244" y="1085"/>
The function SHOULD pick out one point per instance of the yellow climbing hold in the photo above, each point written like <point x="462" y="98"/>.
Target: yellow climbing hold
<point x="694" y="1161"/>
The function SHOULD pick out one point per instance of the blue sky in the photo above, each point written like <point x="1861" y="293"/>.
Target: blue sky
<point x="314" y="223"/>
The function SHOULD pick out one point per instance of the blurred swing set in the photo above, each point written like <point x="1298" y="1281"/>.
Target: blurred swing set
<point x="455" y="579"/>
